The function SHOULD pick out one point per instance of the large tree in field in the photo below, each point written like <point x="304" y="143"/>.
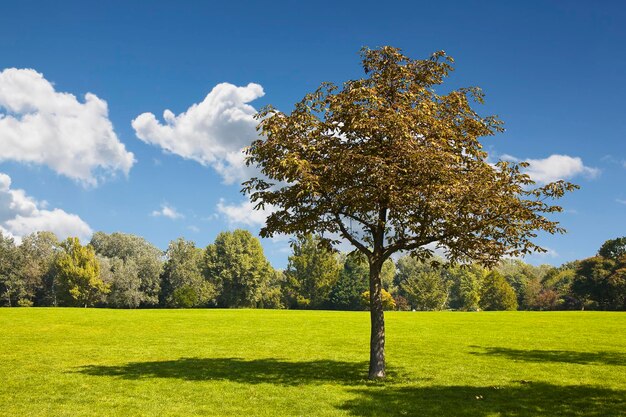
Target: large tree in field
<point x="389" y="165"/>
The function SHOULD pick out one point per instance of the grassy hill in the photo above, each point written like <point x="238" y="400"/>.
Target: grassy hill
<point x="70" y="362"/>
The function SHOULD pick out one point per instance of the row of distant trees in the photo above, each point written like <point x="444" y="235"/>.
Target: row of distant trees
<point x="125" y="271"/>
<point x="316" y="278"/>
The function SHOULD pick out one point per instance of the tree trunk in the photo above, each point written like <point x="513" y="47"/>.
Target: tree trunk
<point x="377" y="336"/>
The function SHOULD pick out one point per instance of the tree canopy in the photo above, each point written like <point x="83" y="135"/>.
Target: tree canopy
<point x="497" y="293"/>
<point x="400" y="162"/>
<point x="613" y="248"/>
<point x="236" y="263"/>
<point x="312" y="272"/>
<point x="183" y="281"/>
<point x="137" y="274"/>
<point x="79" y="274"/>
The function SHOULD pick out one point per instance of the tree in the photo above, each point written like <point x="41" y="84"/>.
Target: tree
<point x="465" y="287"/>
<point x="601" y="283"/>
<point x="531" y="294"/>
<point x="524" y="278"/>
<point x="124" y="283"/>
<point x="425" y="291"/>
<point x="422" y="283"/>
<point x="389" y="165"/>
<point x="613" y="248"/>
<point x="353" y="281"/>
<point x="79" y="274"/>
<point x="497" y="293"/>
<point x="140" y="258"/>
<point x="236" y="264"/>
<point x="11" y="286"/>
<point x="312" y="271"/>
<point x="558" y="282"/>
<point x="183" y="282"/>
<point x="38" y="253"/>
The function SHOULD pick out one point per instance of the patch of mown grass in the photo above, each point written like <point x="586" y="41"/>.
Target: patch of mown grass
<point x="68" y="362"/>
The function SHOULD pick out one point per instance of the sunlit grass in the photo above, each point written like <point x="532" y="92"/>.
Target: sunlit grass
<point x="311" y="363"/>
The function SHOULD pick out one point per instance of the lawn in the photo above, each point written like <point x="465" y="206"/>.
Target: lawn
<point x="71" y="362"/>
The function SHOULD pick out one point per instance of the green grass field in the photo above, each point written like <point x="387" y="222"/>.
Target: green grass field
<point x="70" y="362"/>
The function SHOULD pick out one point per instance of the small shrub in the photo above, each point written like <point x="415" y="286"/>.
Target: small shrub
<point x="388" y="302"/>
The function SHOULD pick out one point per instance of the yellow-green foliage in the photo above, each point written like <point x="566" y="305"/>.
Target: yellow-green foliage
<point x="78" y="273"/>
<point x="388" y="302"/>
<point x="496" y="293"/>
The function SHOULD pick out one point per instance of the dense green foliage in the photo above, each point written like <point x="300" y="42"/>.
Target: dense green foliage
<point x="12" y="288"/>
<point x="465" y="286"/>
<point x="78" y="272"/>
<point x="184" y="284"/>
<point x="601" y="282"/>
<point x="422" y="284"/>
<point x="135" y="268"/>
<point x="312" y="272"/>
<point x="240" y="271"/>
<point x="86" y="362"/>
<point x="496" y="293"/>
<point x="233" y="272"/>
<point x="39" y="252"/>
<point x="353" y="280"/>
<point x="613" y="248"/>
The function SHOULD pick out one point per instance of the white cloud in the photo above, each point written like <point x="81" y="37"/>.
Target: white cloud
<point x="243" y="213"/>
<point x="540" y="256"/>
<point x="42" y="126"/>
<point x="212" y="132"/>
<point x="555" y="167"/>
<point x="550" y="253"/>
<point x="621" y="201"/>
<point x="194" y="229"/>
<point x="167" y="211"/>
<point x="21" y="215"/>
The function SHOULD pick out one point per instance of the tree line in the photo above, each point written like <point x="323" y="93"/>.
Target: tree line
<point x="125" y="271"/>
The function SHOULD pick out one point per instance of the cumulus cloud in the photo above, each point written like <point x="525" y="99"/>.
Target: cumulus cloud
<point x="556" y="167"/>
<point x="243" y="213"/>
<point x="40" y="125"/>
<point x="167" y="211"/>
<point x="212" y="132"/>
<point x="21" y="215"/>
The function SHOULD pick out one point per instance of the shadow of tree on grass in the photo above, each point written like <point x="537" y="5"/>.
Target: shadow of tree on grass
<point x="387" y="398"/>
<point x="254" y="371"/>
<point x="567" y="356"/>
<point x="527" y="400"/>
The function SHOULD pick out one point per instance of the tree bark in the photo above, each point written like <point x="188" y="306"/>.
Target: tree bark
<point x="377" y="317"/>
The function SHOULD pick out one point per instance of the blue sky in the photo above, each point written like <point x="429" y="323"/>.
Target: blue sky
<point x="553" y="71"/>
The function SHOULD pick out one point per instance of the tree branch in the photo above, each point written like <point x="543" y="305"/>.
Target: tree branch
<point x="358" y="219"/>
<point x="344" y="232"/>
<point x="406" y="244"/>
